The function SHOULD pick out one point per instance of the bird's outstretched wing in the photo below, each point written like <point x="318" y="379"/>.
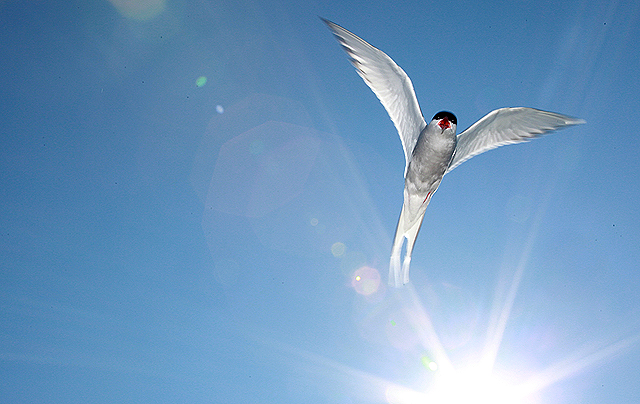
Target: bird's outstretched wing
<point x="390" y="84"/>
<point x="507" y="126"/>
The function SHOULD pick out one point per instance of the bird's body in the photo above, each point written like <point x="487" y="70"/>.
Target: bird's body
<point x="429" y="162"/>
<point x="432" y="150"/>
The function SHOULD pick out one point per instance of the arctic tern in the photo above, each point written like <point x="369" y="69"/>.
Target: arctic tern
<point x="433" y="150"/>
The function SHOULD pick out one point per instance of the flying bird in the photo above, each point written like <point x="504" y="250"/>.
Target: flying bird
<point x="433" y="150"/>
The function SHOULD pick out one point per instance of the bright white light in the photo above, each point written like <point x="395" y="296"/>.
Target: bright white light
<point x="400" y="395"/>
<point x="473" y="385"/>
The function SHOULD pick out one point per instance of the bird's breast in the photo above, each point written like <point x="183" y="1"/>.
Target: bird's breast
<point x="429" y="160"/>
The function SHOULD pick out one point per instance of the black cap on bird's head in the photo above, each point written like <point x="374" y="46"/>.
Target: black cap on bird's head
<point x="446" y="114"/>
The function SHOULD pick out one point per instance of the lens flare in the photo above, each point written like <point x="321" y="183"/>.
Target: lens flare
<point x="428" y="363"/>
<point x="366" y="280"/>
<point x="338" y="249"/>
<point x="201" y="81"/>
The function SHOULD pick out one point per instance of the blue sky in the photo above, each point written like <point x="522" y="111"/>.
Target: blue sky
<point x="199" y="199"/>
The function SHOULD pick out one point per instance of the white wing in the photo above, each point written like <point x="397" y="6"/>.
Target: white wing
<point x="390" y="84"/>
<point x="506" y="126"/>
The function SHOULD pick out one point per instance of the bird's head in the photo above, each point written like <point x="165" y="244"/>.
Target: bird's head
<point x="445" y="120"/>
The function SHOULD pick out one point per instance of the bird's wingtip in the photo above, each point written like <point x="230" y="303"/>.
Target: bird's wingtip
<point x="572" y="120"/>
<point x="327" y="22"/>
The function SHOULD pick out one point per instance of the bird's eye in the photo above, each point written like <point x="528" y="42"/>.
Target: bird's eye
<point x="450" y="117"/>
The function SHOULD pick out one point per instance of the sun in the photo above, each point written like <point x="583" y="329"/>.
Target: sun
<point x="475" y="385"/>
<point x="473" y="378"/>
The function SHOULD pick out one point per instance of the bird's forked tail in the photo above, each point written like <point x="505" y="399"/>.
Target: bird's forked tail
<point x="410" y="232"/>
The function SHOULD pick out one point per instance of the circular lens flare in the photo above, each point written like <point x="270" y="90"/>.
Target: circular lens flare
<point x="366" y="280"/>
<point x="338" y="249"/>
<point x="428" y="363"/>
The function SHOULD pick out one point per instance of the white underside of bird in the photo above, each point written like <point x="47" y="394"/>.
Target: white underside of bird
<point x="432" y="150"/>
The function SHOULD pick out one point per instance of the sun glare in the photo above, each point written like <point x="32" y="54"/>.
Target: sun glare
<point x="474" y="385"/>
<point x="471" y="385"/>
<point x="398" y="319"/>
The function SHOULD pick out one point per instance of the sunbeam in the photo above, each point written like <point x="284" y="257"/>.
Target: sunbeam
<point x="330" y="375"/>
<point x="500" y="316"/>
<point x="577" y="363"/>
<point x="421" y="322"/>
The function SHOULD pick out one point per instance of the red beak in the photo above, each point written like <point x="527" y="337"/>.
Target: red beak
<point x="444" y="123"/>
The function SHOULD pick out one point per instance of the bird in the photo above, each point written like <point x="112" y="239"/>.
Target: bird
<point x="433" y="150"/>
